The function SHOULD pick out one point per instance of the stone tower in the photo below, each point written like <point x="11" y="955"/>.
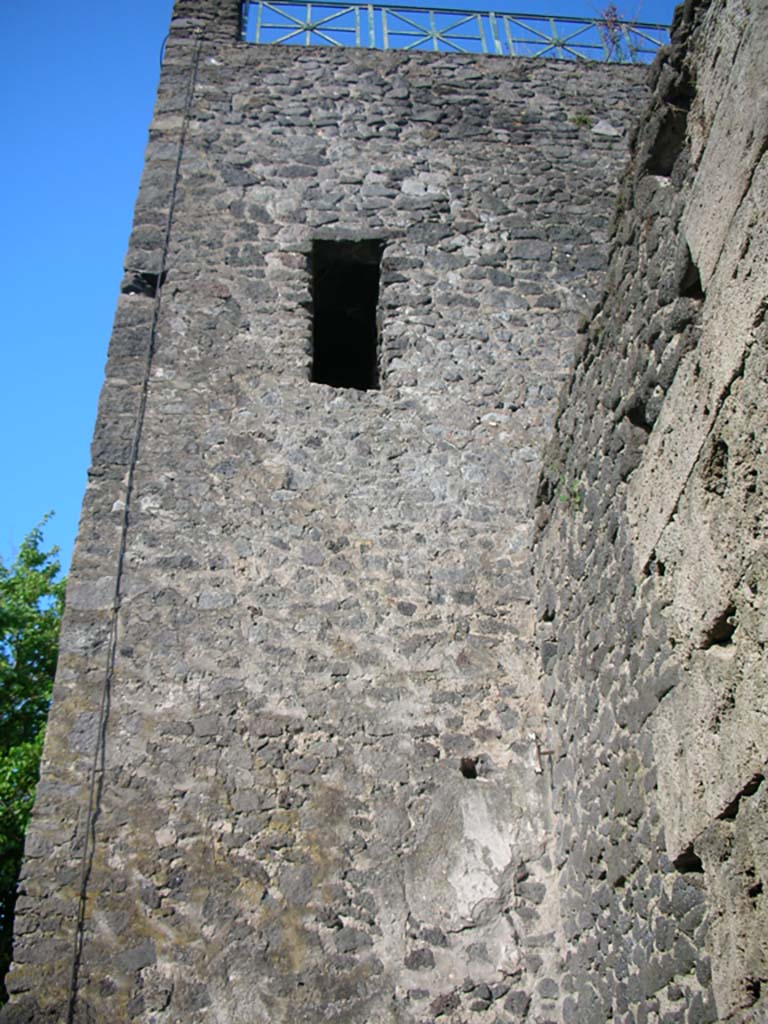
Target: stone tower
<point x="328" y="743"/>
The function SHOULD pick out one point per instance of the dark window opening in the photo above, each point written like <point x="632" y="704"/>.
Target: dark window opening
<point x="141" y="282"/>
<point x="345" y="292"/>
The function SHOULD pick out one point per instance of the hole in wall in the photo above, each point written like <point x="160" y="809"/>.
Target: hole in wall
<point x="688" y="862"/>
<point x="469" y="767"/>
<point x="732" y="810"/>
<point x="722" y="710"/>
<point x="141" y="282"/>
<point x="680" y="93"/>
<point x="754" y="986"/>
<point x="690" y="278"/>
<point x="720" y="633"/>
<point x="715" y="469"/>
<point x="668" y="144"/>
<point x="545" y="492"/>
<point x="654" y="567"/>
<point x="345" y="293"/>
<point x="671" y="130"/>
<point x="637" y="415"/>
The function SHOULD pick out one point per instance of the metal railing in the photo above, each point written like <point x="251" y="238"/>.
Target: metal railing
<point x="394" y="26"/>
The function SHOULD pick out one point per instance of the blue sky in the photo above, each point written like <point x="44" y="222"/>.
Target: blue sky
<point x="78" y="84"/>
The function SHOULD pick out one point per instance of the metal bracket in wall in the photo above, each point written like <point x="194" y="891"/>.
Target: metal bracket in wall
<point x="539" y="753"/>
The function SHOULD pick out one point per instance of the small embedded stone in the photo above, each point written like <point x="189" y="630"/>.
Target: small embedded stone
<point x="348" y="940"/>
<point x="533" y="891"/>
<point x="518" y="1002"/>
<point x="606" y="129"/>
<point x="434" y="936"/>
<point x="264" y="725"/>
<point x="417" y="994"/>
<point x="548" y="988"/>
<point x="444" y="1004"/>
<point x="137" y="957"/>
<point x="328" y="917"/>
<point x="420" y="959"/>
<point x="206" y="725"/>
<point x="211" y="599"/>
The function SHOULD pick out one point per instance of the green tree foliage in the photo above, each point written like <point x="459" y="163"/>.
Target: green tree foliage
<point x="31" y="603"/>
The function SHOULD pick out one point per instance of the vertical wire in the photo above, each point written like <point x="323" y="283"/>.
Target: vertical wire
<point x="97" y="765"/>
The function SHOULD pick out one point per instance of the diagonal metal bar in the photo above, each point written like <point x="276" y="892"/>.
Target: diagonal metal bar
<point x="307" y="26"/>
<point x="554" y="41"/>
<point x="397" y="13"/>
<point x="511" y="19"/>
<point x="446" y="34"/>
<point x="636" y="30"/>
<point x="282" y="14"/>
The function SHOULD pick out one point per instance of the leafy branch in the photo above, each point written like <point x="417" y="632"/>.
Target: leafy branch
<point x="31" y="605"/>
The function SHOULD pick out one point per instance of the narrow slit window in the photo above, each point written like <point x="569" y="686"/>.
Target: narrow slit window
<point x="345" y="291"/>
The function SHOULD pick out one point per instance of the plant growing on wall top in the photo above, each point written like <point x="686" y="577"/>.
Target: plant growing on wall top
<point x="617" y="42"/>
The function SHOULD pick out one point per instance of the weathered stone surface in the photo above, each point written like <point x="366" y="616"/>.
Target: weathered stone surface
<point x="652" y="620"/>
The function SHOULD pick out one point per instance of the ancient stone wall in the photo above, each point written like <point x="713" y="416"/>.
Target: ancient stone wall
<point x="651" y="562"/>
<point x="293" y="770"/>
<point x="323" y="747"/>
